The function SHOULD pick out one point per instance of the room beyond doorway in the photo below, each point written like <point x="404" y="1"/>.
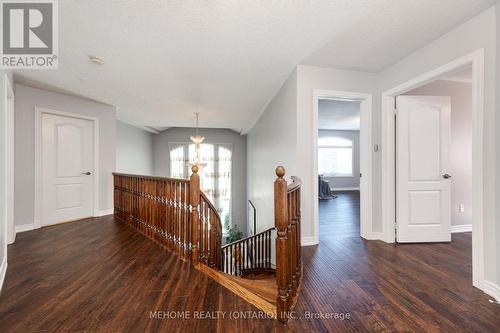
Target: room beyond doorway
<point x="342" y="164"/>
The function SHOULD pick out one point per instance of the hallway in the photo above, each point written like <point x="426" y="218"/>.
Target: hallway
<point x="99" y="275"/>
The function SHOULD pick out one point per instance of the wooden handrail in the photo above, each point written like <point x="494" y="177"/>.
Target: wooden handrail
<point x="252" y="252"/>
<point x="180" y="180"/>
<point x="288" y="247"/>
<point x="294" y="185"/>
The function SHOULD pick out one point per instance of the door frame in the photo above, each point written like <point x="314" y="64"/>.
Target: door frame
<point x="9" y="160"/>
<point x="476" y="60"/>
<point x="39" y="111"/>
<point x="365" y="152"/>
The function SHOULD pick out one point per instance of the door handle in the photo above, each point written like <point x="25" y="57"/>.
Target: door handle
<point x="88" y="173"/>
<point x="446" y="176"/>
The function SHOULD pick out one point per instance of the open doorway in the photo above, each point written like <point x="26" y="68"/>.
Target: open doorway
<point x="342" y="165"/>
<point x="424" y="210"/>
<point x="339" y="168"/>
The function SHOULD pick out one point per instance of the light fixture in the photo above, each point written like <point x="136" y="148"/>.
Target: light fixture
<point x="197" y="140"/>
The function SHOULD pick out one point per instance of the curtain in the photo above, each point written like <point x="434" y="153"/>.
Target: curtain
<point x="215" y="176"/>
<point x="178" y="160"/>
<point x="223" y="178"/>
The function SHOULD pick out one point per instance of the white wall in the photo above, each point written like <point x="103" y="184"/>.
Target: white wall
<point x="26" y="99"/>
<point x="134" y="150"/>
<point x="212" y="135"/>
<point x="272" y="142"/>
<point x="497" y="151"/>
<point x="477" y="33"/>
<point x="309" y="79"/>
<point x="3" y="159"/>
<point x="461" y="143"/>
<point x="352" y="181"/>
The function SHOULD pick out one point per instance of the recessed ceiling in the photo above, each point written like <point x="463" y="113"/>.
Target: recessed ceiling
<point x="166" y="60"/>
<point x="338" y="115"/>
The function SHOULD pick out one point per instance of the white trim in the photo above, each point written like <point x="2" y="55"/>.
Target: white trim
<point x="38" y="166"/>
<point x="307" y="241"/>
<point x="475" y="58"/>
<point x="9" y="162"/>
<point x="345" y="189"/>
<point x="3" y="272"/>
<point x="374" y="236"/>
<point x="365" y="151"/>
<point x="98" y="213"/>
<point x="455" y="229"/>
<point x="492" y="289"/>
<point x="459" y="80"/>
<point x="26" y="227"/>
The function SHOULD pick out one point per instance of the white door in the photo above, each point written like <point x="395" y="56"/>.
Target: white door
<point x="422" y="180"/>
<point x="67" y="158"/>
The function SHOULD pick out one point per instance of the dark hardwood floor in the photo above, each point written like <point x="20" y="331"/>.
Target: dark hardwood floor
<point x="339" y="217"/>
<point x="99" y="275"/>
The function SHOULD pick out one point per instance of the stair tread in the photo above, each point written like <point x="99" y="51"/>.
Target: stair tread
<point x="262" y="293"/>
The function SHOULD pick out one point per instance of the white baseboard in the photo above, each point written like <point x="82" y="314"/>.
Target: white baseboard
<point x="461" y="228"/>
<point x="99" y="213"/>
<point x="345" y="189"/>
<point x="3" y="271"/>
<point x="492" y="289"/>
<point x="26" y="227"/>
<point x="308" y="241"/>
<point x="374" y="236"/>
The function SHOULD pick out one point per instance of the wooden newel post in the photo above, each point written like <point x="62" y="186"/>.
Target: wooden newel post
<point x="280" y="222"/>
<point x="194" y="199"/>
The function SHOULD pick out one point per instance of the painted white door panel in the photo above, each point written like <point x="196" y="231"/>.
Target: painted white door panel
<point x="423" y="195"/>
<point x="67" y="154"/>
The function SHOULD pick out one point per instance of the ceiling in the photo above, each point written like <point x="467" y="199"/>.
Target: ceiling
<point x="338" y="115"/>
<point x="166" y="60"/>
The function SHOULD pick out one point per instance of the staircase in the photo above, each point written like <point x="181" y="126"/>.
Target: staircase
<point x="176" y="214"/>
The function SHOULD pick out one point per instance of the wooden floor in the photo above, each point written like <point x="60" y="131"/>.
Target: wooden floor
<point x="98" y="275"/>
<point x="339" y="217"/>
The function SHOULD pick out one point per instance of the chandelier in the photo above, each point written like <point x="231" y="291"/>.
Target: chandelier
<point x="197" y="140"/>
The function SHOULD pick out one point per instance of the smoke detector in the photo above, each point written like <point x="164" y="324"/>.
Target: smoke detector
<point x="96" y="60"/>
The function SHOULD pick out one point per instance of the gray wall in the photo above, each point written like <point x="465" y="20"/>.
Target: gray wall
<point x="212" y="135"/>
<point x="26" y="100"/>
<point x="336" y="182"/>
<point x="461" y="143"/>
<point x="134" y="150"/>
<point x="272" y="142"/>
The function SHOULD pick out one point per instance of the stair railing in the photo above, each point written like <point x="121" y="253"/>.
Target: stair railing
<point x="173" y="212"/>
<point x="288" y="251"/>
<point x="253" y="252"/>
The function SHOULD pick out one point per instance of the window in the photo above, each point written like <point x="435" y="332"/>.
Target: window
<point x="215" y="177"/>
<point x="335" y="157"/>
